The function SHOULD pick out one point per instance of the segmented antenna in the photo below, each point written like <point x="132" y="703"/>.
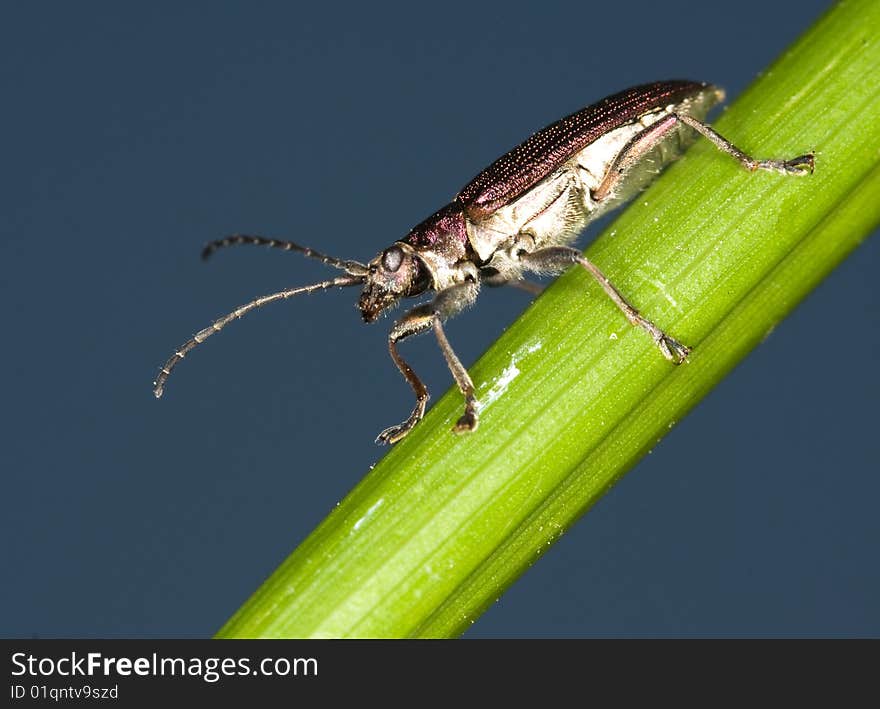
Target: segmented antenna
<point x="355" y="268"/>
<point x="218" y="325"/>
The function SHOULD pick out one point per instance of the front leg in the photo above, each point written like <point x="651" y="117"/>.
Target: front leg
<point x="413" y="323"/>
<point x="446" y="303"/>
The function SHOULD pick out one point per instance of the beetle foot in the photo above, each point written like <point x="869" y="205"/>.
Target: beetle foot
<point x="467" y="423"/>
<point x="801" y="165"/>
<point x="672" y="349"/>
<point x="393" y="434"/>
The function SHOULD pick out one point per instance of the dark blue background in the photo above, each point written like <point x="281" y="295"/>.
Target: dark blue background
<point x="131" y="135"/>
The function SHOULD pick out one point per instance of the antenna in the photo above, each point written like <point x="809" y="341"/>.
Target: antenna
<point x="218" y="325"/>
<point x="355" y="268"/>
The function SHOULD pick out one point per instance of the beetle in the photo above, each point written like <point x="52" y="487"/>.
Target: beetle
<point x="519" y="215"/>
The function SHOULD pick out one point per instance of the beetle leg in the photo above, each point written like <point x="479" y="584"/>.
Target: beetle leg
<point x="645" y="141"/>
<point x="557" y="258"/>
<point x="794" y="166"/>
<point x="446" y="303"/>
<point x="496" y="280"/>
<point x="527" y="286"/>
<point x="412" y="323"/>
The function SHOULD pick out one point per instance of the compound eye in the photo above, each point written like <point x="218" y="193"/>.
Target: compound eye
<point x="392" y="258"/>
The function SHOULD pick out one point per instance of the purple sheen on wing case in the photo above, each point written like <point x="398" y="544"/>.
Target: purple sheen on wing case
<point x="531" y="161"/>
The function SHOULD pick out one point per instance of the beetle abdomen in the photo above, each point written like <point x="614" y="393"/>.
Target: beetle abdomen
<point x="545" y="151"/>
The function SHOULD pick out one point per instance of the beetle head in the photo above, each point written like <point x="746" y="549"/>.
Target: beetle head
<point x="394" y="274"/>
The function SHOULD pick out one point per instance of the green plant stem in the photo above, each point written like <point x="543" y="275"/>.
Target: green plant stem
<point x="572" y="396"/>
